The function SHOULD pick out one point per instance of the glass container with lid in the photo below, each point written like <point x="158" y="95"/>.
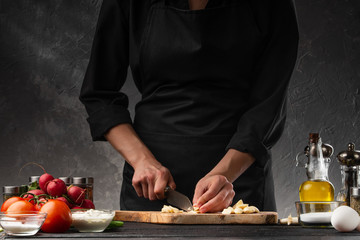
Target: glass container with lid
<point x="350" y="170"/>
<point x="67" y="180"/>
<point x="33" y="179"/>
<point x="86" y="183"/>
<point x="10" y="191"/>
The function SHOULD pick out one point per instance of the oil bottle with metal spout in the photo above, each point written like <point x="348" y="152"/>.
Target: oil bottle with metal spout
<point x="317" y="187"/>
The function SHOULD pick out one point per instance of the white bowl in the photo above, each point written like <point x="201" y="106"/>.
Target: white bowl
<point x="22" y="223"/>
<point x="92" y="220"/>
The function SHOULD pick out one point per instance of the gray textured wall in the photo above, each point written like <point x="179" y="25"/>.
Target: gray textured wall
<point x="44" y="50"/>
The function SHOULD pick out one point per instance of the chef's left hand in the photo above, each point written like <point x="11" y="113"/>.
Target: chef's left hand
<point x="213" y="193"/>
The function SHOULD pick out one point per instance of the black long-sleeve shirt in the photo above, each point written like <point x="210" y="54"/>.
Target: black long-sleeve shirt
<point x="117" y="43"/>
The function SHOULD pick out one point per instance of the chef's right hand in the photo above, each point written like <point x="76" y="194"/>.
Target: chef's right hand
<point x="151" y="178"/>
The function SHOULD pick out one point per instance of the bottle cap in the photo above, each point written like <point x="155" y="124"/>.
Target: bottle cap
<point x="34" y="179"/>
<point x="349" y="157"/>
<point x="89" y="180"/>
<point x="11" y="189"/>
<point x="67" y="180"/>
<point x="79" y="180"/>
<point x="314" y="137"/>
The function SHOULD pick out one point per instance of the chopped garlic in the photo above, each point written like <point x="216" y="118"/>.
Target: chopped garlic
<point x="195" y="210"/>
<point x="170" y="209"/>
<point x="240" y="204"/>
<point x="228" y="210"/>
<point x="251" y="209"/>
<point x="289" y="220"/>
<point x="238" y="210"/>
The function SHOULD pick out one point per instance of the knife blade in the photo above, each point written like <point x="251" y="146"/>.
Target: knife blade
<point x="178" y="199"/>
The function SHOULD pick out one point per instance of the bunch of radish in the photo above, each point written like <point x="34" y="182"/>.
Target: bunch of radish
<point x="73" y="196"/>
<point x="54" y="188"/>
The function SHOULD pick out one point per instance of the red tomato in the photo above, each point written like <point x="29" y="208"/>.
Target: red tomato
<point x="21" y="206"/>
<point x="58" y="216"/>
<point x="8" y="202"/>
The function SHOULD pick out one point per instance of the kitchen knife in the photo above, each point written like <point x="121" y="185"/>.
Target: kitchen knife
<point x="178" y="199"/>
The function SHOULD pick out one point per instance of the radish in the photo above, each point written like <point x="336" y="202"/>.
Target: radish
<point x="77" y="207"/>
<point x="88" y="204"/>
<point x="76" y="194"/>
<point x="63" y="199"/>
<point x="44" y="181"/>
<point x="36" y="192"/>
<point x="35" y="197"/>
<point x="56" y="188"/>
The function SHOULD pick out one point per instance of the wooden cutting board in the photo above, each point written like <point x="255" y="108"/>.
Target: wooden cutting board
<point x="188" y="218"/>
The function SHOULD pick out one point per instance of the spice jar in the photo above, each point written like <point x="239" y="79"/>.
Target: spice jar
<point x="34" y="179"/>
<point x="10" y="191"/>
<point x="355" y="199"/>
<point x="23" y="189"/>
<point x="86" y="183"/>
<point x="90" y="188"/>
<point x="350" y="171"/>
<point x="67" y="180"/>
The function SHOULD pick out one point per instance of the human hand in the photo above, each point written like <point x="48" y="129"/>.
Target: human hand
<point x="150" y="177"/>
<point x="213" y="193"/>
<point x="150" y="180"/>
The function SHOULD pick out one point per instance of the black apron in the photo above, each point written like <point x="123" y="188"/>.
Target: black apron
<point x="196" y="76"/>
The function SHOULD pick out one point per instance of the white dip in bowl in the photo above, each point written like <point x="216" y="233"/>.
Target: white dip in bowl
<point x="92" y="220"/>
<point x="316" y="217"/>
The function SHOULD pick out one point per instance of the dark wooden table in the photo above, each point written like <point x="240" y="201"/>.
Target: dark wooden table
<point x="158" y="231"/>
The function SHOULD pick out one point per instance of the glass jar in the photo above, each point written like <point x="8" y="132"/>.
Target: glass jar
<point x="23" y="189"/>
<point x="10" y="191"/>
<point x="90" y="188"/>
<point x="85" y="183"/>
<point x="355" y="199"/>
<point x="350" y="172"/>
<point x="34" y="179"/>
<point x="67" y="180"/>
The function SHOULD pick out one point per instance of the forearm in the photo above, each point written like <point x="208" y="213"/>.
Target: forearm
<point x="150" y="177"/>
<point x="125" y="140"/>
<point x="233" y="164"/>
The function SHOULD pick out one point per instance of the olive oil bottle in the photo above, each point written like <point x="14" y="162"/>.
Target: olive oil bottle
<point x="317" y="187"/>
<point x="316" y="190"/>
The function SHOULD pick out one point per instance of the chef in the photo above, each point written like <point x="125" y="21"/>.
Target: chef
<point x="213" y="76"/>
